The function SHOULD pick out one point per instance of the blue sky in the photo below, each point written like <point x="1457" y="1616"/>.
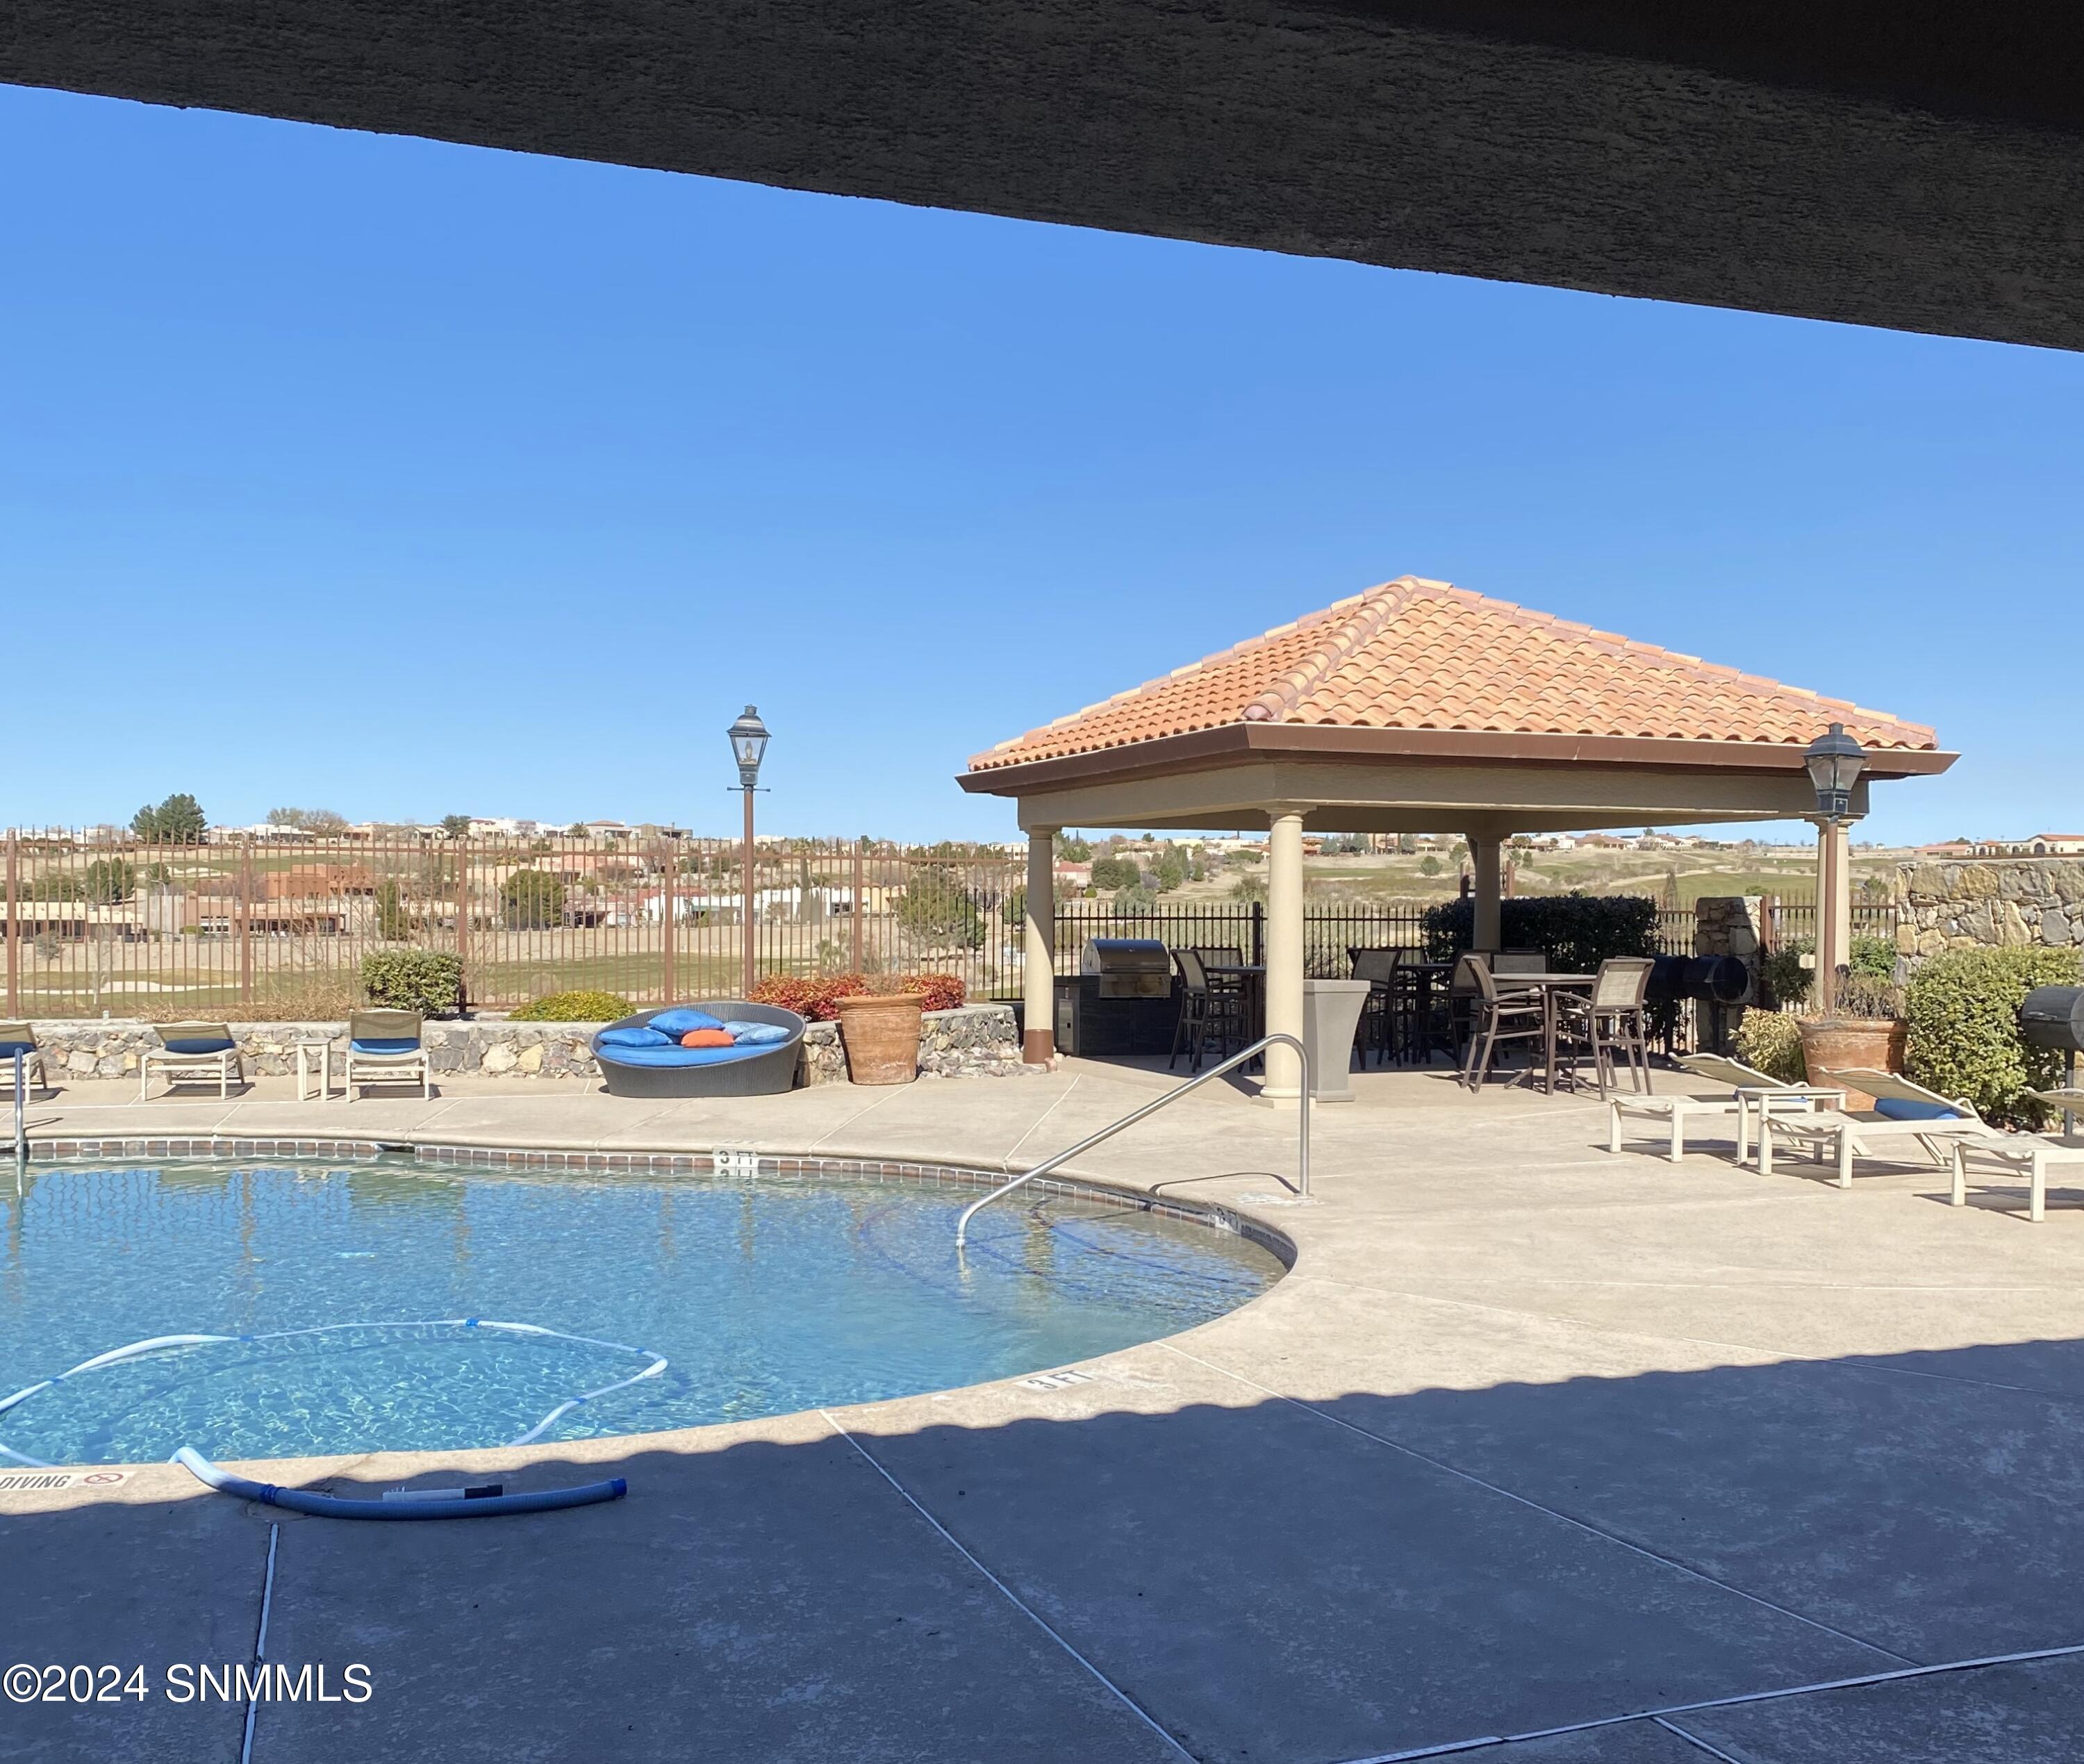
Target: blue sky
<point x="559" y="465"/>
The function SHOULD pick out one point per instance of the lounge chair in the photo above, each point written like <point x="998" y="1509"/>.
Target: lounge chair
<point x="21" y="1038"/>
<point x="2029" y="1155"/>
<point x="192" y="1051"/>
<point x="1902" y="1111"/>
<point x="385" y="1048"/>
<point x="1752" y="1095"/>
<point x="642" y="1055"/>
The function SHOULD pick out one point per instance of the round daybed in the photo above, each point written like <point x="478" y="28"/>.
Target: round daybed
<point x="657" y="1066"/>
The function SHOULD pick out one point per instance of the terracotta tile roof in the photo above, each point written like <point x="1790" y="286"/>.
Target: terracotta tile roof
<point x="1418" y="654"/>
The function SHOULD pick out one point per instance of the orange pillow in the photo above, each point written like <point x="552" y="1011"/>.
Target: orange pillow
<point x="708" y="1038"/>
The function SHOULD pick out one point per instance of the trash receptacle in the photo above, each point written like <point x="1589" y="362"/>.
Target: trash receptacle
<point x="1330" y="1013"/>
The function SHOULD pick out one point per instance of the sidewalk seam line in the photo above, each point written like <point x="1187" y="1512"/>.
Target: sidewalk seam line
<point x="1695" y="1739"/>
<point x="1584" y="1525"/>
<point x="1020" y="1604"/>
<point x="1007" y="1161"/>
<point x="1980" y="1663"/>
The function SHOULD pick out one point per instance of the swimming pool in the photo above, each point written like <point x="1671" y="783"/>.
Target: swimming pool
<point x="765" y="1291"/>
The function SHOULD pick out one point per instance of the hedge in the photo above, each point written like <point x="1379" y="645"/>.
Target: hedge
<point x="574" y="1008"/>
<point x="1962" y="1008"/>
<point x="423" y="980"/>
<point x="1578" y="931"/>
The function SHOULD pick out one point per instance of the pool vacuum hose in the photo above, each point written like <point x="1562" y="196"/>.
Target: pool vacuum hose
<point x="429" y="1503"/>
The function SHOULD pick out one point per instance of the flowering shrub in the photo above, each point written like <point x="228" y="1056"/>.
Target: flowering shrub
<point x="819" y="999"/>
<point x="805" y="998"/>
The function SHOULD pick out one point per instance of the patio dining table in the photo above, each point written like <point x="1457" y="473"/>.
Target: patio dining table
<point x="1551" y="986"/>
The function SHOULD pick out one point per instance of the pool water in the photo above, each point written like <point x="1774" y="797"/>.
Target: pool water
<point x="765" y="1293"/>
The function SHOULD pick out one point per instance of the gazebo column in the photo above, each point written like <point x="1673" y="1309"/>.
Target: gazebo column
<point x="1038" y="981"/>
<point x="1485" y="854"/>
<point x="1834" y="907"/>
<point x="1284" y="952"/>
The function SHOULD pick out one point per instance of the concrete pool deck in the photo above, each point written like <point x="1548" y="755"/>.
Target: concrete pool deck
<point x="1532" y="1436"/>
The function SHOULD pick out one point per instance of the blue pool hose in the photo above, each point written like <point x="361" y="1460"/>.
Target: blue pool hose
<point x="295" y="1500"/>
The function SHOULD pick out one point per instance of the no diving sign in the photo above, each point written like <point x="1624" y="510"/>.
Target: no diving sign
<point x="19" y="1481"/>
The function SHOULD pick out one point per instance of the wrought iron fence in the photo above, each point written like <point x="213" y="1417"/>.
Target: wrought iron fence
<point x="261" y="928"/>
<point x="1788" y="921"/>
<point x="278" y="927"/>
<point x="1328" y="931"/>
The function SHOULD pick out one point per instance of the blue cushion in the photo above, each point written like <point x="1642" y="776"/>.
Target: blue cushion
<point x="638" y="1037"/>
<point x="1902" y="1109"/>
<point x="9" y="1049"/>
<point x="757" y="1034"/>
<point x="674" y="1054"/>
<point x="388" y="1043"/>
<point x="680" y="1020"/>
<point x="198" y="1044"/>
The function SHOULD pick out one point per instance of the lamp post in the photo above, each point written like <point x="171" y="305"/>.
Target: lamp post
<point x="748" y="747"/>
<point x="1834" y="761"/>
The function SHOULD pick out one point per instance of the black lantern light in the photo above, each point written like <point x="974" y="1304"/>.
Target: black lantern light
<point x="1834" y="759"/>
<point x="748" y="745"/>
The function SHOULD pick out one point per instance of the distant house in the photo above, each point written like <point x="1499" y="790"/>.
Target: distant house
<point x="317" y="881"/>
<point x="1949" y="848"/>
<point x="2057" y="844"/>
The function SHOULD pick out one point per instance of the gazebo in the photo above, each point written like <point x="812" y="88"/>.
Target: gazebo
<point x="1420" y="707"/>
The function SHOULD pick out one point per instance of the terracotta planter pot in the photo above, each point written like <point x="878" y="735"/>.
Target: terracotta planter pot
<point x="882" y="1038"/>
<point x="1833" y="1044"/>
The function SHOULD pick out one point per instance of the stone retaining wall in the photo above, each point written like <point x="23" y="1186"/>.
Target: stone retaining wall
<point x="2015" y="902"/>
<point x="978" y="1040"/>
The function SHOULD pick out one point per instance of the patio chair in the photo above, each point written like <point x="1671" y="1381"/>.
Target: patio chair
<point x="1496" y="1015"/>
<point x="1902" y="1111"/>
<point x="2029" y="1155"/>
<point x="1205" y="1012"/>
<point x="1752" y="1093"/>
<point x="1520" y="961"/>
<point x="1378" y="968"/>
<point x="1228" y="990"/>
<point x="1610" y="1018"/>
<point x="385" y="1047"/>
<point x="21" y="1038"/>
<point x="192" y="1051"/>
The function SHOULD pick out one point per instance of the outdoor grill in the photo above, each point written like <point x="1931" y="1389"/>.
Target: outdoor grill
<point x="1717" y="981"/>
<point x="1129" y="967"/>
<point x="2053" y="1016"/>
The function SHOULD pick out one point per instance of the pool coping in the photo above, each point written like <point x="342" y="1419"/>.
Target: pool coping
<point x="487" y="1152"/>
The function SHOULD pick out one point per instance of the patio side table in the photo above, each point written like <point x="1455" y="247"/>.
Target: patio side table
<point x="313" y="1051"/>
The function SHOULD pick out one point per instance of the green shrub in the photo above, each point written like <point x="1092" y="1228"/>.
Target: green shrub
<point x="1874" y="958"/>
<point x="934" y="909"/>
<point x="1964" y="1039"/>
<point x="1770" y="1041"/>
<point x="1783" y="979"/>
<point x="423" y="980"/>
<point x="1578" y="931"/>
<point x="1112" y="873"/>
<point x="110" y="881"/>
<point x="574" y="1008"/>
<point x="392" y="923"/>
<point x="532" y="900"/>
<point x="1788" y="983"/>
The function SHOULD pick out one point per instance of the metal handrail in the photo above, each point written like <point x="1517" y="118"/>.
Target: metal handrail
<point x="21" y="1094"/>
<point x="1107" y="1132"/>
